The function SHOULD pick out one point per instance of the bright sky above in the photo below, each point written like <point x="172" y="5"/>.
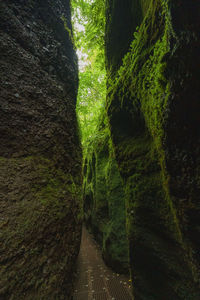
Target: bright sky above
<point x="82" y="57"/>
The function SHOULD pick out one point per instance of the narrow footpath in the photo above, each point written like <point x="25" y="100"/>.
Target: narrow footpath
<point x="95" y="281"/>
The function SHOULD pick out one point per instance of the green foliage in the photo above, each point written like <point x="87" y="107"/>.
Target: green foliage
<point x="91" y="101"/>
<point x="104" y="200"/>
<point x="91" y="15"/>
<point x="89" y="28"/>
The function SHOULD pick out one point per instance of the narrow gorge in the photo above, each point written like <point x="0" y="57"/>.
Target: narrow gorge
<point x="110" y="140"/>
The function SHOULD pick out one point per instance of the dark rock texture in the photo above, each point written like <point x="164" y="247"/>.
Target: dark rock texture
<point x="104" y="201"/>
<point x="153" y="108"/>
<point x="40" y="156"/>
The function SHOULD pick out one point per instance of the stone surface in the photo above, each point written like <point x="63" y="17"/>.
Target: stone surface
<point x="153" y="108"/>
<point x="40" y="156"/>
<point x="104" y="201"/>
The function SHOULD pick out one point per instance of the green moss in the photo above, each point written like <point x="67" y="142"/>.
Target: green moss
<point x="104" y="201"/>
<point x="69" y="31"/>
<point x="56" y="185"/>
<point x="37" y="240"/>
<point x="142" y="88"/>
<point x="139" y="97"/>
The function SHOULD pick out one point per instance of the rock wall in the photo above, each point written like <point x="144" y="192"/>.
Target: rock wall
<point x="153" y="108"/>
<point x="104" y="201"/>
<point x="40" y="154"/>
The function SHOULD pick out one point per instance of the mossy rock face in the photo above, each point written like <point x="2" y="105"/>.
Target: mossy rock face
<point x="153" y="105"/>
<point x="104" y="201"/>
<point x="40" y="154"/>
<point x="40" y="229"/>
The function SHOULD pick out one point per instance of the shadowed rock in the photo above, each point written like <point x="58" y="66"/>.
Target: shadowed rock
<point x="153" y="108"/>
<point x="104" y="200"/>
<point x="40" y="156"/>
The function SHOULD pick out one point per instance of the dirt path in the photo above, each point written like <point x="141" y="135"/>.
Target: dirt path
<point x="94" y="280"/>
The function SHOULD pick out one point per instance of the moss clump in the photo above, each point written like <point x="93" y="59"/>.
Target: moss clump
<point x="142" y="117"/>
<point x="104" y="201"/>
<point x="40" y="229"/>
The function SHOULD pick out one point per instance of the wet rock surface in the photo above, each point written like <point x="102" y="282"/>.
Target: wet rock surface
<point x="40" y="156"/>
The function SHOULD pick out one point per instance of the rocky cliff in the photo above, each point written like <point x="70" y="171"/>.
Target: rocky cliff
<point x="40" y="156"/>
<point x="104" y="200"/>
<point x="153" y="108"/>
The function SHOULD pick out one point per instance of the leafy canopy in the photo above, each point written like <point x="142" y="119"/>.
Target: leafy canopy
<point x="88" y="29"/>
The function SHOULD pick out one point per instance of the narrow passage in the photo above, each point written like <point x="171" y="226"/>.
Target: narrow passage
<point x="95" y="281"/>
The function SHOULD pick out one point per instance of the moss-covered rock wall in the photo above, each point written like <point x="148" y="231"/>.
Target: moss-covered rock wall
<point x="104" y="201"/>
<point x="153" y="110"/>
<point x="40" y="156"/>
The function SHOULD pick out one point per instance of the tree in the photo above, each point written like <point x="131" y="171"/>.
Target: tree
<point x="89" y="29"/>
